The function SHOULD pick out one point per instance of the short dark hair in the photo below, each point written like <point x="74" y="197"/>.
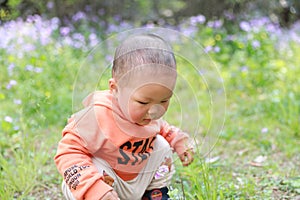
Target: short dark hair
<point x="140" y="50"/>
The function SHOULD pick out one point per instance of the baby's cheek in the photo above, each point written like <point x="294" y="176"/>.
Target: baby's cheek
<point x="125" y="109"/>
<point x="161" y="110"/>
<point x="137" y="113"/>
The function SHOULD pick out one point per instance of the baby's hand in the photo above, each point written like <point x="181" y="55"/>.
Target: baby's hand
<point x="111" y="195"/>
<point x="187" y="157"/>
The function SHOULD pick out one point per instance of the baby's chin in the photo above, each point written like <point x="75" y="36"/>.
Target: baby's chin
<point x="144" y="122"/>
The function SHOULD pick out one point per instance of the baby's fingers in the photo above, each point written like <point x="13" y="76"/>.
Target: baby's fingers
<point x="186" y="158"/>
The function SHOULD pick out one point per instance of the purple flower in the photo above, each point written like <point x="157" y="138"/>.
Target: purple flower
<point x="215" y="24"/>
<point x="11" y="84"/>
<point x="161" y="172"/>
<point x="64" y="30"/>
<point x="33" y="18"/>
<point x="93" y="40"/>
<point x="189" y="31"/>
<point x="95" y="19"/>
<point x="50" y="5"/>
<point x="10" y="69"/>
<point x="229" y="15"/>
<point x="17" y="101"/>
<point x="78" y="16"/>
<point x="295" y="37"/>
<point x="124" y="25"/>
<point x="55" y="21"/>
<point x="208" y="49"/>
<point x="38" y="70"/>
<point x="260" y="22"/>
<point x="78" y="36"/>
<point x="245" y="26"/>
<point x="108" y="58"/>
<point x="217" y="49"/>
<point x="202" y="72"/>
<point x="112" y="28"/>
<point x="78" y="41"/>
<point x="101" y="11"/>
<point x="28" y="47"/>
<point x="77" y="45"/>
<point x="244" y="68"/>
<point x="20" y="41"/>
<point x="33" y="69"/>
<point x="271" y="28"/>
<point x="264" y="130"/>
<point x="88" y="8"/>
<point x="255" y="44"/>
<point x="230" y="38"/>
<point x="199" y="19"/>
<point x="117" y="18"/>
<point x="29" y="68"/>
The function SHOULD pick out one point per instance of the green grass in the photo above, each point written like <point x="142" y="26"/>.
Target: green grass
<point x="262" y="118"/>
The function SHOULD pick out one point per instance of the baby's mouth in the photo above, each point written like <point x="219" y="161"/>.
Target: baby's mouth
<point x="144" y="122"/>
<point x="147" y="120"/>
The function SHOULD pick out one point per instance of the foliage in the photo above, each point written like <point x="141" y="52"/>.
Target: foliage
<point x="286" y="12"/>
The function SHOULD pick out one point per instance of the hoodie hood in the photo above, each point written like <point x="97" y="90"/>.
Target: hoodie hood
<point x="105" y="99"/>
<point x="104" y="115"/>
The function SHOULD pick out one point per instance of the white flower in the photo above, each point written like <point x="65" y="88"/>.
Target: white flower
<point x="8" y="119"/>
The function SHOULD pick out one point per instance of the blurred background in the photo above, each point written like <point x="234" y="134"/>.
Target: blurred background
<point x="46" y="46"/>
<point x="284" y="12"/>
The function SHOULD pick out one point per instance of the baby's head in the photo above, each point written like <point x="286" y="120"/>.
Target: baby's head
<point x="138" y="51"/>
<point x="143" y="77"/>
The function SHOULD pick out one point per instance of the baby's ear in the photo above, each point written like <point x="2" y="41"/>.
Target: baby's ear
<point x="113" y="87"/>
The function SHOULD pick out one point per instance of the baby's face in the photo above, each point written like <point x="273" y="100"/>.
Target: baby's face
<point x="147" y="99"/>
<point x="149" y="102"/>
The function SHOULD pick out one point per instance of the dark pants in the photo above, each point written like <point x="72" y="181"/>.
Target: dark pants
<point x="156" y="194"/>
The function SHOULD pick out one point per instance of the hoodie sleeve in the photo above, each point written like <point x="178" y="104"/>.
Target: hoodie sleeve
<point x="75" y="164"/>
<point x="175" y="137"/>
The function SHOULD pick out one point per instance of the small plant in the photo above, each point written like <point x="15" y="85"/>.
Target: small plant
<point x="198" y="181"/>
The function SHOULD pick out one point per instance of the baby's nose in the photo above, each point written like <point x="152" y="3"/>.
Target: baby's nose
<point x="156" y="111"/>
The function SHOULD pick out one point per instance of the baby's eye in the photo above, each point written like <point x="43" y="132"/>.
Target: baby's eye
<point x="165" y="101"/>
<point x="142" y="102"/>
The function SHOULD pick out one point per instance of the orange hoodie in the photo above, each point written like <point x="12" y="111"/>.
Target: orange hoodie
<point x="101" y="130"/>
